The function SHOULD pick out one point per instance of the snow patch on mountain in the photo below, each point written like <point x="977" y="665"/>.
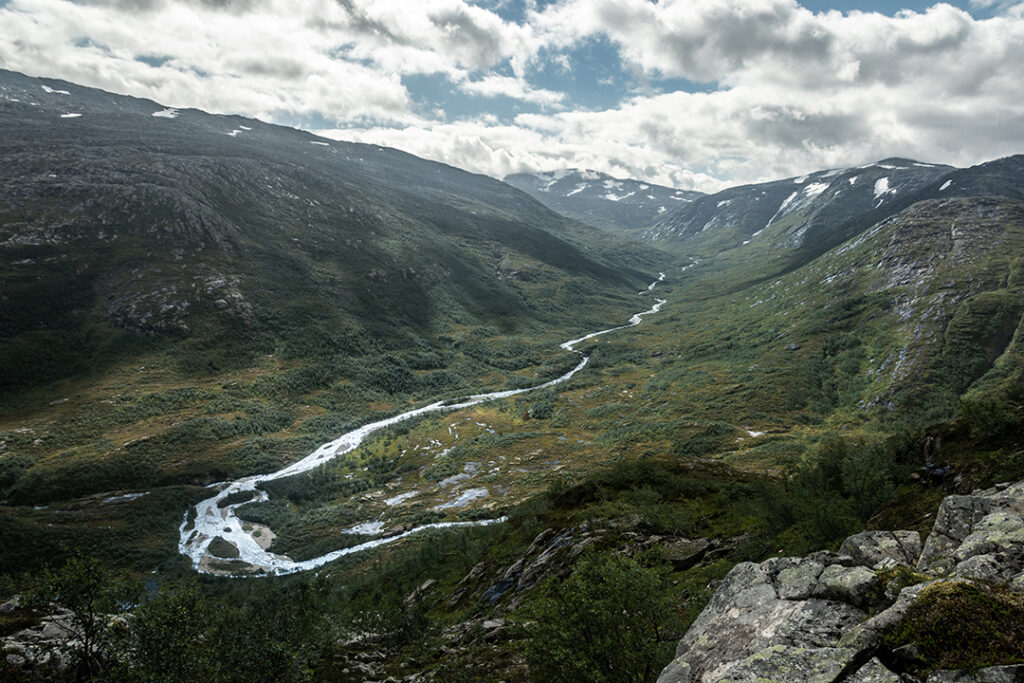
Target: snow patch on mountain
<point x="881" y="187"/>
<point x="814" y="189"/>
<point x="785" y="202"/>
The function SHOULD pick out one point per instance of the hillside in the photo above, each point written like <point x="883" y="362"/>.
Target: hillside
<point x="820" y="208"/>
<point x="602" y="200"/>
<point x="152" y="256"/>
<point x="209" y="310"/>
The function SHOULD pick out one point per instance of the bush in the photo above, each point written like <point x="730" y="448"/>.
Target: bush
<point x="611" y="620"/>
<point x="90" y="593"/>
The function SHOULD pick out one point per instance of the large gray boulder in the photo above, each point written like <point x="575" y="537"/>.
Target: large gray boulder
<point x="804" y="619"/>
<point x="747" y="620"/>
<point x="960" y="516"/>
<point x="880" y="549"/>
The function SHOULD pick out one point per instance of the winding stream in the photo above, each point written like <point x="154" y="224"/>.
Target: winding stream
<point x="213" y="520"/>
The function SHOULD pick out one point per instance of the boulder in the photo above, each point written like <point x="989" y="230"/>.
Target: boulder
<point x="851" y="585"/>
<point x="866" y="635"/>
<point x="879" y="549"/>
<point x="873" y="672"/>
<point x="787" y="664"/>
<point x="747" y="616"/>
<point x="798" y="581"/>
<point x="994" y="550"/>
<point x="802" y="619"/>
<point x="685" y="553"/>
<point x="956" y="521"/>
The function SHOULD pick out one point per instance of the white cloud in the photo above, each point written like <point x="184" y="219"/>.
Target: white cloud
<point x="509" y="86"/>
<point x="794" y="90"/>
<point x="260" y="63"/>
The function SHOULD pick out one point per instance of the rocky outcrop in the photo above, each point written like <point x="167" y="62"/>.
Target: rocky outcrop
<point x="553" y="552"/>
<point x="979" y="536"/>
<point x="821" y="617"/>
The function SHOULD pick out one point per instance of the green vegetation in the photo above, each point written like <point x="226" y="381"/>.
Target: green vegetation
<point x="259" y="301"/>
<point x="963" y="626"/>
<point x="221" y="548"/>
<point x="91" y="596"/>
<point x="612" y="620"/>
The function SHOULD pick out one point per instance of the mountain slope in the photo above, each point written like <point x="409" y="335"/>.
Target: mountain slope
<point x="119" y="212"/>
<point x="601" y="200"/>
<point x="186" y="296"/>
<point x="819" y="209"/>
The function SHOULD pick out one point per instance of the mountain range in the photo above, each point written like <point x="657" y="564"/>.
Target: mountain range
<point x="602" y="200"/>
<point x="189" y="299"/>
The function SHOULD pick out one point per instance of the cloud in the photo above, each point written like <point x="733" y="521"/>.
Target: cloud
<point x="261" y="63"/>
<point x="509" y="86"/>
<point x="788" y="90"/>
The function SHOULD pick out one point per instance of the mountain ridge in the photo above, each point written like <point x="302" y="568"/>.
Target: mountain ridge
<point x="600" y="199"/>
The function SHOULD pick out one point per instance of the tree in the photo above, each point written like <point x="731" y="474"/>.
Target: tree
<point x="612" y="620"/>
<point x="169" y="638"/>
<point x="92" y="596"/>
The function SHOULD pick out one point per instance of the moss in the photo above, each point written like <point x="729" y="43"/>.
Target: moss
<point x="221" y="548"/>
<point x="958" y="625"/>
<point x="891" y="581"/>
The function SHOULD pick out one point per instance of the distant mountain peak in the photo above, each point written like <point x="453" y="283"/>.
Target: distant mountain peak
<point x="601" y="199"/>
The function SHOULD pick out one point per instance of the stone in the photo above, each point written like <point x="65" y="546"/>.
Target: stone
<point x="802" y="619"/>
<point x="851" y="585"/>
<point x="878" y="549"/>
<point x="11" y="605"/>
<point x="787" y="664"/>
<point x="746" y="615"/>
<point x="873" y="672"/>
<point x="798" y="582"/>
<point x="981" y="568"/>
<point x="956" y="520"/>
<point x="419" y="593"/>
<point x="685" y="553"/>
<point x="999" y="537"/>
<point x="866" y="634"/>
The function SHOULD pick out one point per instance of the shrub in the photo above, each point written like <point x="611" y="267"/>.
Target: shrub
<point x="611" y="620"/>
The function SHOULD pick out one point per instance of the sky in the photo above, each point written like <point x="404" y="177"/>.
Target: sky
<point x="694" y="94"/>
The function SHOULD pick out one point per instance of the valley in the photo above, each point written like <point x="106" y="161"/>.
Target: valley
<point x="232" y="350"/>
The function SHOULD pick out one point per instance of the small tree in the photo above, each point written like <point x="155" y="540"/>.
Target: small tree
<point x="169" y="638"/>
<point x="91" y="596"/>
<point x="612" y="620"/>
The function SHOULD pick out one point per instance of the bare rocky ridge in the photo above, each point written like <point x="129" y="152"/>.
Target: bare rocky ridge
<point x="807" y="619"/>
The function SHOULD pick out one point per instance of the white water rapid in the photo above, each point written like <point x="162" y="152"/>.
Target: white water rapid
<point x="213" y="520"/>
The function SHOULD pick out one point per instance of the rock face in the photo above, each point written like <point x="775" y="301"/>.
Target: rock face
<point x="806" y="619"/>
<point x="978" y="536"/>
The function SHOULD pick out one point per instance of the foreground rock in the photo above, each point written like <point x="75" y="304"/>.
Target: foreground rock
<point x="821" y="617"/>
